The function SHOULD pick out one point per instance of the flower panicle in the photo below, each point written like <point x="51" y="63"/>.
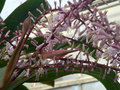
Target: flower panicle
<point x="92" y="35"/>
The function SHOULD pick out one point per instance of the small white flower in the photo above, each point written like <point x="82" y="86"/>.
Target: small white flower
<point x="6" y="57"/>
<point x="10" y="51"/>
<point x="50" y="26"/>
<point x="110" y="52"/>
<point x="27" y="73"/>
<point x="57" y="17"/>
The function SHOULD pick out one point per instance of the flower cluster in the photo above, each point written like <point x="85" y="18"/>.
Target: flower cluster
<point x="93" y="36"/>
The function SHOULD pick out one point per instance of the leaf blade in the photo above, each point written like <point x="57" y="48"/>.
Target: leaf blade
<point x="108" y="82"/>
<point x="13" y="60"/>
<point x="20" y="13"/>
<point x="2" y="2"/>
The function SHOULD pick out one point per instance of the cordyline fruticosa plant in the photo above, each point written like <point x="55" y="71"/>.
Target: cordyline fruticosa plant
<point x="36" y="49"/>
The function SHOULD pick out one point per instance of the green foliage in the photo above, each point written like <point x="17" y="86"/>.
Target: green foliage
<point x="65" y="45"/>
<point x="20" y="13"/>
<point x="2" y="2"/>
<point x="32" y="48"/>
<point x="21" y="87"/>
<point x="12" y="21"/>
<point x="108" y="81"/>
<point x="16" y="83"/>
<point x="16" y="53"/>
<point x="3" y="63"/>
<point x="98" y="73"/>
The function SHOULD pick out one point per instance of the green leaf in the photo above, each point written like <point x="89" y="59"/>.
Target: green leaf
<point x="13" y="60"/>
<point x="21" y="80"/>
<point x="108" y="81"/>
<point x="3" y="63"/>
<point x="2" y="2"/>
<point x="32" y="48"/>
<point x="65" y="45"/>
<point x="61" y="45"/>
<point x="21" y="87"/>
<point x="16" y="83"/>
<point x="98" y="73"/>
<point x="20" y="13"/>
